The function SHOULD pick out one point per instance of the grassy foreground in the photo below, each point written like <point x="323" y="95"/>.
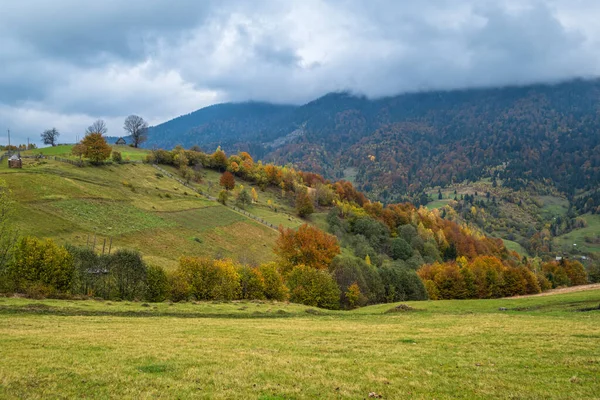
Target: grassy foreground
<point x="540" y="347"/>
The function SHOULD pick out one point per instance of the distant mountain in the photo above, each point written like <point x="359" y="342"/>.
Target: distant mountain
<point x="231" y="125"/>
<point x="396" y="146"/>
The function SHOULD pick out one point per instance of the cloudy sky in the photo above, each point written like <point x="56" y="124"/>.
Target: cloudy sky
<point x="65" y="63"/>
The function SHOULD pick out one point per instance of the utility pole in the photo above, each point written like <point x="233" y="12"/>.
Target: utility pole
<point x="27" y="144"/>
<point x="9" y="137"/>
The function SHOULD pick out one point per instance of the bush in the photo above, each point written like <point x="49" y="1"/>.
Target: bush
<point x="274" y="286"/>
<point x="313" y="288"/>
<point x="116" y="156"/>
<point x="157" y="282"/>
<point x="252" y="283"/>
<point x="208" y="279"/>
<point x="43" y="263"/>
<point x="401" y="283"/>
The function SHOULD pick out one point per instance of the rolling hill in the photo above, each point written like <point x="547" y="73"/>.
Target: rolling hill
<point x="133" y="206"/>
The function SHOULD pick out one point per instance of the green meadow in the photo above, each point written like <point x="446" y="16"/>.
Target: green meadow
<point x="542" y="347"/>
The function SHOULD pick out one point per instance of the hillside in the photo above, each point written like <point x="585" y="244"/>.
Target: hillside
<point x="394" y="148"/>
<point x="134" y="205"/>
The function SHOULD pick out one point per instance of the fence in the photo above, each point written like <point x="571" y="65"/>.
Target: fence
<point x="236" y="209"/>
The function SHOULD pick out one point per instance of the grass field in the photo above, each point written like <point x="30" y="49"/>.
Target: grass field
<point x="578" y="236"/>
<point x="136" y="207"/>
<point x="64" y="150"/>
<point x="539" y="348"/>
<point x="514" y="246"/>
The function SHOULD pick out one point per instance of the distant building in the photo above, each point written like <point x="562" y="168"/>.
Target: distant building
<point x="15" y="161"/>
<point x="121" y="142"/>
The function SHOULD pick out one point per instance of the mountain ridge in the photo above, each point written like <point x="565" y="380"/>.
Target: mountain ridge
<point x="397" y="146"/>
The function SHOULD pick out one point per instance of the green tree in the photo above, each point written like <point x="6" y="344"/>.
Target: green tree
<point x="313" y="287"/>
<point x="129" y="272"/>
<point x="223" y="197"/>
<point x="243" y="199"/>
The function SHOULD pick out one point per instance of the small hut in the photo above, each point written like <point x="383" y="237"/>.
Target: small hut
<point x="121" y="142"/>
<point x="15" y="161"/>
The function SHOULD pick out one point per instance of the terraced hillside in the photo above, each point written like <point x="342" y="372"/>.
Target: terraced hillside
<point x="134" y="205"/>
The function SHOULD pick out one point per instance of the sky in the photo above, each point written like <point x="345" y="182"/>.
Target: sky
<point x="66" y="63"/>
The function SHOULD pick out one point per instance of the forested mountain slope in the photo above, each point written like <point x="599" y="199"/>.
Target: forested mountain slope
<point x="397" y="146"/>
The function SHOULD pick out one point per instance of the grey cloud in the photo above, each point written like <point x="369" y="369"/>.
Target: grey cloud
<point x="70" y="61"/>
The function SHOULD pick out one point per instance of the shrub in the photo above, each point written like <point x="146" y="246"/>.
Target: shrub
<point x="313" y="288"/>
<point x="274" y="286"/>
<point x="252" y="283"/>
<point x="209" y="279"/>
<point x="157" y="282"/>
<point x="223" y="196"/>
<point x="116" y="156"/>
<point x="41" y="262"/>
<point x="401" y="283"/>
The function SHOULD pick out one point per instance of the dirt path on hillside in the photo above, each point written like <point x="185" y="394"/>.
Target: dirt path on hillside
<point x="551" y="292"/>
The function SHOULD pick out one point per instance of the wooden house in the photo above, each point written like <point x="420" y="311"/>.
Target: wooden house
<point x="15" y="161"/>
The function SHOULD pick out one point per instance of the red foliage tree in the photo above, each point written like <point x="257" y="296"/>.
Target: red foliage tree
<point x="227" y="180"/>
<point x="308" y="246"/>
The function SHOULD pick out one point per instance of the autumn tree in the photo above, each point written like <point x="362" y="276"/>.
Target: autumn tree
<point x="219" y="159"/>
<point x="227" y="181"/>
<point x="254" y="195"/>
<point x="137" y="129"/>
<point x="96" y="148"/>
<point x="50" y="136"/>
<point x="78" y="150"/>
<point x="304" y="204"/>
<point x="223" y="196"/>
<point x="308" y="246"/>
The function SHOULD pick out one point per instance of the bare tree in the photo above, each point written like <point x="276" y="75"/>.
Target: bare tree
<point x="137" y="128"/>
<point x="50" y="136"/>
<point x="97" y="127"/>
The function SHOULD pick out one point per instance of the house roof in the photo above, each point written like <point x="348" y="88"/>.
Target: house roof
<point x="14" y="157"/>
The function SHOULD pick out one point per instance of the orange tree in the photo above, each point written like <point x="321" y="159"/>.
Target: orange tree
<point x="308" y="246"/>
<point x="96" y="148"/>
<point x="227" y="180"/>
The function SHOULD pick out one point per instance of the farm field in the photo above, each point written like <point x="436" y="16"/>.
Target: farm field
<point x="586" y="239"/>
<point x="133" y="205"/>
<point x="539" y="347"/>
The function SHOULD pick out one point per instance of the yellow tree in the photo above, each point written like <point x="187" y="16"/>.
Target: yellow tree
<point x="254" y="195"/>
<point x="96" y="148"/>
